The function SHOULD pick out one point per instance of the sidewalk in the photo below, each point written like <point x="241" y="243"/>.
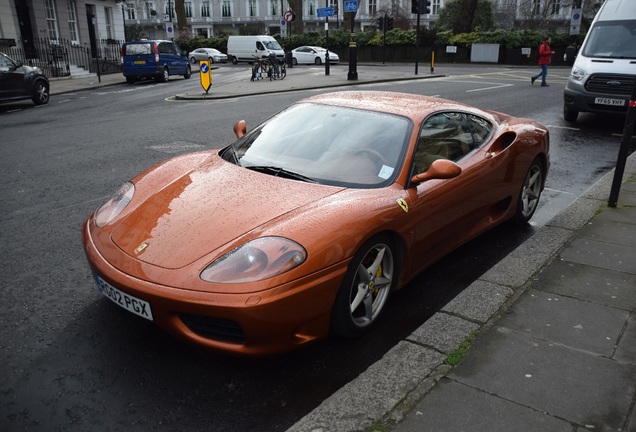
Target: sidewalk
<point x="553" y="324"/>
<point x="298" y="78"/>
<point x="554" y="348"/>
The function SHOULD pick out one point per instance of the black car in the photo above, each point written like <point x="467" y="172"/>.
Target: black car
<point x="18" y="81"/>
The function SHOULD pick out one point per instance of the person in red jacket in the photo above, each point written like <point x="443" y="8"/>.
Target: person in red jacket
<point x="545" y="57"/>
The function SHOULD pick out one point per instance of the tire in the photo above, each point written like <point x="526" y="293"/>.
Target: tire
<point x="294" y="61"/>
<point x="530" y="193"/>
<point x="193" y="60"/>
<point x="211" y="60"/>
<point x="188" y="73"/>
<point x="130" y="80"/>
<point x="234" y="60"/>
<point x="165" y="77"/>
<point x="569" y="115"/>
<point x="366" y="287"/>
<point x="318" y="61"/>
<point x="40" y="93"/>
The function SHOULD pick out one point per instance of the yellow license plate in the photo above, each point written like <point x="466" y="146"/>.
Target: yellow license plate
<point x="140" y="61"/>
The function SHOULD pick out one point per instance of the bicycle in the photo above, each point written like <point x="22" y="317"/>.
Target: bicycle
<point x="278" y="68"/>
<point x="261" y="69"/>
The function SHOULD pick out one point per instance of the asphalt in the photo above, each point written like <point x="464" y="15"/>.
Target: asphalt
<point x="546" y="337"/>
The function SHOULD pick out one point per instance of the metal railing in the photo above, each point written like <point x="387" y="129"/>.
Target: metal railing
<point x="59" y="57"/>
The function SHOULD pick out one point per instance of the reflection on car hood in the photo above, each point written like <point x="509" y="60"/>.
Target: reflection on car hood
<point x="207" y="208"/>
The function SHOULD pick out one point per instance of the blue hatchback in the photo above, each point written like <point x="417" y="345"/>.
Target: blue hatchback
<point x="156" y="59"/>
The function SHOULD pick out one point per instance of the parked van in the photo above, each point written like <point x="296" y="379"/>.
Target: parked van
<point x="604" y="71"/>
<point x="247" y="48"/>
<point x="157" y="59"/>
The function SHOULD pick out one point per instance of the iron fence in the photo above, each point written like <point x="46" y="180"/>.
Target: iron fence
<point x="62" y="57"/>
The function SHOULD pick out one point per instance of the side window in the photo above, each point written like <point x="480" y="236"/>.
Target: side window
<point x="165" y="48"/>
<point x="259" y="46"/>
<point x="443" y="136"/>
<point x="481" y="129"/>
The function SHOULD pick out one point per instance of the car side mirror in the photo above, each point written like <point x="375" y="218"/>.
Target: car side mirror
<point x="439" y="169"/>
<point x="240" y="128"/>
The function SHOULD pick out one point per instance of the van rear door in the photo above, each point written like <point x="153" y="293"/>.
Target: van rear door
<point x="139" y="58"/>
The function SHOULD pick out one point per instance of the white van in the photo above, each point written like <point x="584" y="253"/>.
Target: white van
<point x="247" y="48"/>
<point x="604" y="71"/>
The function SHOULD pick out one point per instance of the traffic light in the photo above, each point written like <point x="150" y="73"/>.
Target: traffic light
<point x="389" y="23"/>
<point x="381" y="23"/>
<point x="421" y="6"/>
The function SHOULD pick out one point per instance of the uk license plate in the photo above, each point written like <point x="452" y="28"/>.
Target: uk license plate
<point x="140" y="61"/>
<point x="608" y="101"/>
<point x="126" y="301"/>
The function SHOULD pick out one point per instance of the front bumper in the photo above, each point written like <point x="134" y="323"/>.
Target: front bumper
<point x="262" y="323"/>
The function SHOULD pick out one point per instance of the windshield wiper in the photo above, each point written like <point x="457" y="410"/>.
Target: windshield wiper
<point x="280" y="172"/>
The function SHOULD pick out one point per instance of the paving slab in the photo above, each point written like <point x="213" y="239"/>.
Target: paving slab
<point x="457" y="407"/>
<point x="567" y="321"/>
<point x="593" y="284"/>
<point x="579" y="387"/>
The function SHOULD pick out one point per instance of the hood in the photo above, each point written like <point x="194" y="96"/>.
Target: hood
<point x="205" y="209"/>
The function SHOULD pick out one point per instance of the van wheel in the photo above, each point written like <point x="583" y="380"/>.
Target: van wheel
<point x="569" y="115"/>
<point x="166" y="75"/>
<point x="188" y="73"/>
<point x="234" y="60"/>
<point x="130" y="80"/>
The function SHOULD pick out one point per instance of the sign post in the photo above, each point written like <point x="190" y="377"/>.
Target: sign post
<point x="205" y="72"/>
<point x="351" y="6"/>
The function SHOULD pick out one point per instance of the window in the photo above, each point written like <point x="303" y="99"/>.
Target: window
<point x="274" y="7"/>
<point x="169" y="10"/>
<point x="108" y="18"/>
<point x="205" y="10"/>
<point x="435" y="7"/>
<point x="51" y="19"/>
<point x="226" y="8"/>
<point x="188" y="9"/>
<point x="130" y="11"/>
<point x="373" y="7"/>
<point x="555" y="7"/>
<point x="446" y="136"/>
<point x="252" y="8"/>
<point x="536" y="7"/>
<point x="149" y="8"/>
<point x="311" y="8"/>
<point x="72" y="20"/>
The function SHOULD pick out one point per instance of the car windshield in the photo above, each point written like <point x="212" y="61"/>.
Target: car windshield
<point x="326" y="144"/>
<point x="273" y="45"/>
<point x="612" y="39"/>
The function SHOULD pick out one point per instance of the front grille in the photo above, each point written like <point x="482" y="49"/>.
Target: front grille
<point x="214" y="328"/>
<point x="611" y="84"/>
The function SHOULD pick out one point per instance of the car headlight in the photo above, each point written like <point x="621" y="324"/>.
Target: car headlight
<point x="577" y="74"/>
<point x="111" y="208"/>
<point x="256" y="260"/>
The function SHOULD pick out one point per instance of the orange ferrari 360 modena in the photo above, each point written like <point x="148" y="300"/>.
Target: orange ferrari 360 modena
<point x="305" y="224"/>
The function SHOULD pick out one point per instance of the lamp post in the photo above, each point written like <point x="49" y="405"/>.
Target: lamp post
<point x="353" y="53"/>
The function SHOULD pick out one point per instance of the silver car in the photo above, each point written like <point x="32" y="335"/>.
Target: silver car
<point x="312" y="55"/>
<point x="214" y="55"/>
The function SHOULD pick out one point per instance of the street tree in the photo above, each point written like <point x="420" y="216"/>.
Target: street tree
<point x="464" y="16"/>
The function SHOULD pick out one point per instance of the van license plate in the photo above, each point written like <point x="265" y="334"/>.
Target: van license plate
<point x="607" y="101"/>
<point x="126" y="301"/>
<point x="140" y="62"/>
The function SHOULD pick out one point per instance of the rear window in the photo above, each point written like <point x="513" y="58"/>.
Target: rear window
<point x="139" y="49"/>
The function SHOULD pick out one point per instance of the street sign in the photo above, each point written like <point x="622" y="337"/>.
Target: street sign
<point x="289" y="16"/>
<point x="351" y="5"/>
<point x="206" y="74"/>
<point x="324" y="12"/>
<point x="169" y="29"/>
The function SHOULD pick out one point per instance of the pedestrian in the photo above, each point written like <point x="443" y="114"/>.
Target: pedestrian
<point x="545" y="57"/>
